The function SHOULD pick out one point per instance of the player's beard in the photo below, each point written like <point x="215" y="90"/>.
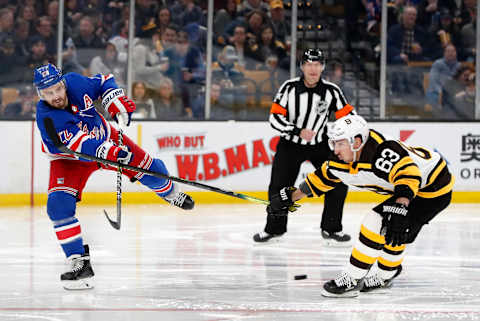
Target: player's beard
<point x="60" y="102"/>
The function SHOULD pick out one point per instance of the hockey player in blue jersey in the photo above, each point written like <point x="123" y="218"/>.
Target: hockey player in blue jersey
<point x="68" y="101"/>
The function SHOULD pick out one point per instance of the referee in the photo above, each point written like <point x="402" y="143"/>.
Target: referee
<point x="300" y="112"/>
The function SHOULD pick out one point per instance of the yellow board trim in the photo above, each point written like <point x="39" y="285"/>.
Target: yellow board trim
<point x="147" y="197"/>
<point x="363" y="257"/>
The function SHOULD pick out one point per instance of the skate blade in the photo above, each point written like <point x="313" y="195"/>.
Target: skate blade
<point x="272" y="241"/>
<point x="349" y="294"/>
<point x="82" y="284"/>
<point x="333" y="243"/>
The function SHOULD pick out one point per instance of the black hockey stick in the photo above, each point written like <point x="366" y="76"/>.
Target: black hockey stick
<point x="116" y="224"/>
<point x="52" y="134"/>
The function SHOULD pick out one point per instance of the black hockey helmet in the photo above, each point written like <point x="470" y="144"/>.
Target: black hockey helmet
<point x="313" y="55"/>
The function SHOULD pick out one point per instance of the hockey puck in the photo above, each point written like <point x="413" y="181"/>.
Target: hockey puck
<point x="300" y="277"/>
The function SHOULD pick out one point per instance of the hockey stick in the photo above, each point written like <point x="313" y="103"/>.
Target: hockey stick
<point x="52" y="134"/>
<point x="116" y="224"/>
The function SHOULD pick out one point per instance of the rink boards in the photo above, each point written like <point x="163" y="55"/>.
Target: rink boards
<point x="232" y="155"/>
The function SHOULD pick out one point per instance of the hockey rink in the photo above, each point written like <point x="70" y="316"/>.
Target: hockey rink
<point x="167" y="264"/>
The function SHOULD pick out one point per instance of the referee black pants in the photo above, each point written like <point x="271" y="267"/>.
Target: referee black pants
<point x="285" y="169"/>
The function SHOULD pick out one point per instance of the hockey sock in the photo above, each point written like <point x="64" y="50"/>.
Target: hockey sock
<point x="61" y="210"/>
<point x="162" y="187"/>
<point x="389" y="260"/>
<point x="367" y="247"/>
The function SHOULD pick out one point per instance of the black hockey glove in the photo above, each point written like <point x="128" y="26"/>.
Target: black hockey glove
<point x="395" y="223"/>
<point x="283" y="200"/>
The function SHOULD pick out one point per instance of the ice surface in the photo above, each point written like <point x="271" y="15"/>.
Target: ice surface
<point x="169" y="264"/>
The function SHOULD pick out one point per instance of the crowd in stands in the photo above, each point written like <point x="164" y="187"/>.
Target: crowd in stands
<point x="251" y="51"/>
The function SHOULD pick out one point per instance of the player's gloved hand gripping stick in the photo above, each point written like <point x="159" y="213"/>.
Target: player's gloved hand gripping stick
<point x="52" y="134"/>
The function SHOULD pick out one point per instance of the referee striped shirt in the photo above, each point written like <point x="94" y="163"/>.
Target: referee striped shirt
<point x="296" y="107"/>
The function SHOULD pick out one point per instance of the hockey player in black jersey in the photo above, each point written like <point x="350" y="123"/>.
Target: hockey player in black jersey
<point x="418" y="180"/>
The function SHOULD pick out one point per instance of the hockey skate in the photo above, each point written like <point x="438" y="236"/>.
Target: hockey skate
<point x="338" y="239"/>
<point x="374" y="282"/>
<point x="179" y="199"/>
<point x="80" y="275"/>
<point x="344" y="286"/>
<point x="264" y="237"/>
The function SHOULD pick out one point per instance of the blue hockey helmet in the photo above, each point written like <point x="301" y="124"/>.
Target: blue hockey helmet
<point x="46" y="76"/>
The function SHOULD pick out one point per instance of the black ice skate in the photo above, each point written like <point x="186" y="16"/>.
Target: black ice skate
<point x="375" y="282"/>
<point x="264" y="237"/>
<point x="343" y="286"/>
<point x="81" y="274"/>
<point x="180" y="199"/>
<point x="339" y="239"/>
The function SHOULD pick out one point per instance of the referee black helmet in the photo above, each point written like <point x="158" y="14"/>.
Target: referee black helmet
<point x="311" y="55"/>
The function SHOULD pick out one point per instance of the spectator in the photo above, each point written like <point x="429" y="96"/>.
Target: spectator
<point x="11" y="66"/>
<point x="442" y="70"/>
<point x="405" y="43"/>
<point x="465" y="100"/>
<point x="247" y="6"/>
<point x="168" y="38"/>
<point x="255" y="20"/>
<point x="43" y="28"/>
<point x="281" y="26"/>
<point x="247" y="55"/>
<point x="186" y="61"/>
<point x="143" y="101"/>
<point x="185" y="12"/>
<point x="108" y="63"/>
<point x="21" y="35"/>
<point x="197" y="36"/>
<point x="468" y="41"/>
<point x="164" y="19"/>
<point x="226" y="73"/>
<point x="120" y="41"/>
<point x="373" y="8"/>
<point x="269" y="86"/>
<point x="187" y="68"/>
<point x="6" y="23"/>
<point x="429" y="10"/>
<point x="269" y="45"/>
<point x="468" y="12"/>
<point x="38" y="56"/>
<point x="167" y="105"/>
<point x="24" y="107"/>
<point x="73" y="13"/>
<point x="223" y="18"/>
<point x="149" y="61"/>
<point x="453" y="88"/>
<point x="145" y="11"/>
<point x="219" y="108"/>
<point x="442" y="32"/>
<point x="253" y="23"/>
<point x="336" y="74"/>
<point x="27" y="13"/>
<point x="112" y="12"/>
<point x="87" y="42"/>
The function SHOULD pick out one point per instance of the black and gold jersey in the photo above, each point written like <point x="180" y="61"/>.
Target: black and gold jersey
<point x="387" y="167"/>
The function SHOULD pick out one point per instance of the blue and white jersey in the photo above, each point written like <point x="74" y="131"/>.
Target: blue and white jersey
<point x="79" y="126"/>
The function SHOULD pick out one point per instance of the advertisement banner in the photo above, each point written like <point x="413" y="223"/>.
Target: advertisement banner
<point x="230" y="155"/>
